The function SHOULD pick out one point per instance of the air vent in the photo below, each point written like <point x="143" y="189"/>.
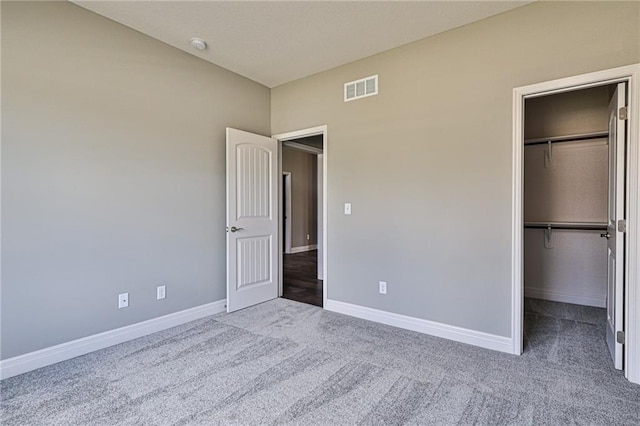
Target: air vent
<point x="362" y="88"/>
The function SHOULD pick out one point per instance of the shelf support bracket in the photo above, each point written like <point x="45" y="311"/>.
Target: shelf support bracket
<point x="548" y="155"/>
<point x="548" y="241"/>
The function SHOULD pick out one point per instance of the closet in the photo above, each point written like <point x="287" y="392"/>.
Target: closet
<point x="566" y="172"/>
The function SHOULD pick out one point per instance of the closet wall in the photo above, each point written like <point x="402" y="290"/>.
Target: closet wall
<point x="565" y="197"/>
<point x="304" y="197"/>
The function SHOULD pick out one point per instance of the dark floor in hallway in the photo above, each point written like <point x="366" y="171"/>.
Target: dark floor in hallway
<point x="300" y="281"/>
<point x="566" y="334"/>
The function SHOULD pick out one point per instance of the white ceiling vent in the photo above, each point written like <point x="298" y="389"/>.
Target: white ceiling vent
<point x="362" y="88"/>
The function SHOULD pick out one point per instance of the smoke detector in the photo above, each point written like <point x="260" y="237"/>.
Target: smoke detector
<point x="198" y="43"/>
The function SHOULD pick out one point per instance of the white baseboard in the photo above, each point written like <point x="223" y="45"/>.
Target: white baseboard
<point x="64" y="351"/>
<point x="300" y="249"/>
<point x="558" y="296"/>
<point x="458" y="334"/>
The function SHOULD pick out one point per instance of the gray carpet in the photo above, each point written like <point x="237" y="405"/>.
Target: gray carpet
<point x="284" y="362"/>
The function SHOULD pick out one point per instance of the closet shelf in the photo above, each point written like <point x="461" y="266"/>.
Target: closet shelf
<point x="568" y="138"/>
<point x="585" y="226"/>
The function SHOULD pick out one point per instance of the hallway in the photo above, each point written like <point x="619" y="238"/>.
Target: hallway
<point x="300" y="281"/>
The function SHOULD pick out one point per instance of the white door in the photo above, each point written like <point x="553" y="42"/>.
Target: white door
<point x="252" y="219"/>
<point x="615" y="238"/>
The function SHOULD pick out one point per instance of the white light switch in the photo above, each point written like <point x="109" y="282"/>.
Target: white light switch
<point x="347" y="208"/>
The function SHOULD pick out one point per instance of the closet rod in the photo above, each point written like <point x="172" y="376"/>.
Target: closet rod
<point x="567" y="226"/>
<point x="569" y="138"/>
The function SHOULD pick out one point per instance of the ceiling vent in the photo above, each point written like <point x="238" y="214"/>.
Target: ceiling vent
<point x="362" y="88"/>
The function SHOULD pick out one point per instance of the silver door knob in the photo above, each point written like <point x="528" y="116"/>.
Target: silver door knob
<point x="234" y="229"/>
<point x="605" y="235"/>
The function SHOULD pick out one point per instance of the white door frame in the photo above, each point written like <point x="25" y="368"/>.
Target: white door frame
<point x="286" y="190"/>
<point x="320" y="220"/>
<point x="631" y="75"/>
<point x="282" y="137"/>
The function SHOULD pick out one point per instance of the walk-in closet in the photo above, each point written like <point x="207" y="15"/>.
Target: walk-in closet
<point x="566" y="201"/>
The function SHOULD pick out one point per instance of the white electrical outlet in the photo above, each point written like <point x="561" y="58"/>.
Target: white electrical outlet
<point x="347" y="208"/>
<point x="123" y="300"/>
<point x="307" y="237"/>
<point x="161" y="292"/>
<point x="383" y="287"/>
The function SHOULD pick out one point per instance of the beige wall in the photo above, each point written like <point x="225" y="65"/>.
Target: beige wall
<point x="304" y="195"/>
<point x="113" y="165"/>
<point x="113" y="174"/>
<point x="427" y="162"/>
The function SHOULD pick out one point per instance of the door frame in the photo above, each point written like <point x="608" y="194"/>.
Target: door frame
<point x="286" y="190"/>
<point x="631" y="75"/>
<point x="297" y="134"/>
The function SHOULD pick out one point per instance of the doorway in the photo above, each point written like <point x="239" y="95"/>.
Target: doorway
<point x="303" y="168"/>
<point x="255" y="240"/>
<point x="570" y="197"/>
<point x="302" y="195"/>
<point x="613" y="241"/>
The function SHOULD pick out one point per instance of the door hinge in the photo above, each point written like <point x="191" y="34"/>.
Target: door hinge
<point x="622" y="225"/>
<point x="620" y="337"/>
<point x="623" y="114"/>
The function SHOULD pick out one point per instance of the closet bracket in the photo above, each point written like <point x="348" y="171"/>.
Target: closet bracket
<point x="548" y="242"/>
<point x="548" y="155"/>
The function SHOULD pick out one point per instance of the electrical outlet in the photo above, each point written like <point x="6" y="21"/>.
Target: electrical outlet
<point x="123" y="300"/>
<point x="307" y="237"/>
<point x="161" y="292"/>
<point x="383" y="287"/>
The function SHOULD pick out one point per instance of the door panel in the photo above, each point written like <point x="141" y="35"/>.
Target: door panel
<point x="615" y="239"/>
<point x="252" y="223"/>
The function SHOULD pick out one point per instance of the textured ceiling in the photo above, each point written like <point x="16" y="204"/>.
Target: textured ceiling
<point x="275" y="42"/>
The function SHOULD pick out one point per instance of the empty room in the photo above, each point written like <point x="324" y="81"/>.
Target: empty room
<point x="320" y="212"/>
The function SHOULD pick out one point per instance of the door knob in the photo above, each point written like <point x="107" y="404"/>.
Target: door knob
<point x="234" y="229"/>
<point x="605" y="235"/>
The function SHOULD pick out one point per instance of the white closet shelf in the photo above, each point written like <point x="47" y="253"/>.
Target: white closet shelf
<point x="568" y="138"/>
<point x="567" y="225"/>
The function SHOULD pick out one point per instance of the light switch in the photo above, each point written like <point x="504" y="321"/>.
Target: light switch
<point x="347" y="208"/>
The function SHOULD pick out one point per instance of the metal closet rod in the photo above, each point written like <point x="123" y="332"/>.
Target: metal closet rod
<point x="569" y="138"/>
<point x="581" y="226"/>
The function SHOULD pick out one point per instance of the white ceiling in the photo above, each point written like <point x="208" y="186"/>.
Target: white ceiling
<point x="274" y="42"/>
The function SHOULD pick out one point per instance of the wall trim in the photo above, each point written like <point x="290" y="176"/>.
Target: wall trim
<point x="301" y="249"/>
<point x="41" y="358"/>
<point x="458" y="334"/>
<point x="302" y="147"/>
<point x="558" y="296"/>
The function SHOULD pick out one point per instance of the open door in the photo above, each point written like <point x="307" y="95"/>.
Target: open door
<point x="615" y="228"/>
<point x="252" y="219"/>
